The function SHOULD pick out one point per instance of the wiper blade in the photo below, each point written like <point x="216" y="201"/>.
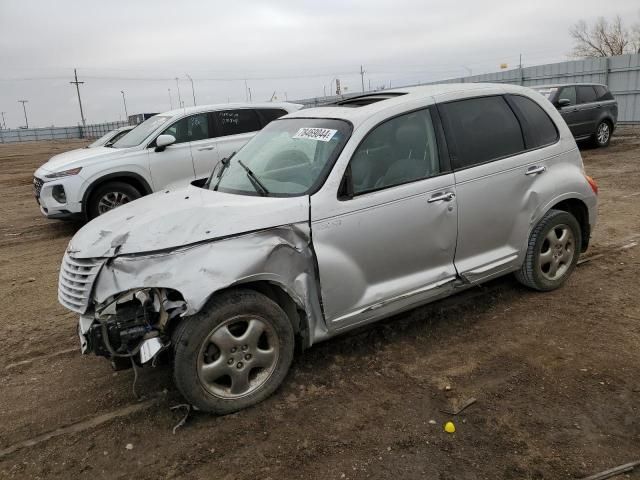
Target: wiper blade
<point x="225" y="163"/>
<point x="257" y="184"/>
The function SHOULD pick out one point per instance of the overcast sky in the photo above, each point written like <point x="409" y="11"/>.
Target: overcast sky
<point x="291" y="47"/>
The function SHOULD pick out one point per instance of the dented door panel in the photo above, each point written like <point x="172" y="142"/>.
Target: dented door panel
<point x="382" y="246"/>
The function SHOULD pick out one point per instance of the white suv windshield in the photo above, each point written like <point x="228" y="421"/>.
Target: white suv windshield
<point x="136" y="136"/>
<point x="288" y="157"/>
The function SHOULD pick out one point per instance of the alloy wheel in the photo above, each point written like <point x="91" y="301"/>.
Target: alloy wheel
<point x="557" y="252"/>
<point x="603" y="133"/>
<point x="112" y="200"/>
<point x="238" y="357"/>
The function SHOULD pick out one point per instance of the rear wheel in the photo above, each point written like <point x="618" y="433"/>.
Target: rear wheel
<point x="234" y="353"/>
<point x="109" y="196"/>
<point x="552" y="252"/>
<point x="602" y="136"/>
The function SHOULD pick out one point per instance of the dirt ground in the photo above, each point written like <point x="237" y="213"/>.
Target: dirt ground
<point x="556" y="375"/>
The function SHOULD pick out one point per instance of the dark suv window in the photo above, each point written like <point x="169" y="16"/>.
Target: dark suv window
<point x="481" y="129"/>
<point x="586" y="94"/>
<point x="270" y="114"/>
<point x="234" y="122"/>
<point x="603" y="93"/>
<point x="538" y="129"/>
<point x="569" y="93"/>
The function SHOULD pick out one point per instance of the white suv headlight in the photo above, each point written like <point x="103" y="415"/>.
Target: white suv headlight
<point x="65" y="173"/>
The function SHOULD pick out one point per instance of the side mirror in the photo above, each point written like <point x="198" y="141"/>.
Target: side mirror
<point x="163" y="141"/>
<point x="563" y="102"/>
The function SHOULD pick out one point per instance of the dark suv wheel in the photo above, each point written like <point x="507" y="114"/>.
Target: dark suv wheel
<point x="602" y="136"/>
<point x="109" y="196"/>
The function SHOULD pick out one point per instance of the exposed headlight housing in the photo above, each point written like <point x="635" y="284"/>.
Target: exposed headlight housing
<point x="65" y="173"/>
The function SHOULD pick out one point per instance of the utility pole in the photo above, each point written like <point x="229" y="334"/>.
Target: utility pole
<point x="126" y="114"/>
<point x="246" y="90"/>
<point x="362" y="77"/>
<point x="4" y="124"/>
<point x="521" y="76"/>
<point x="193" y="92"/>
<point x="170" y="100"/>
<point x="179" y="97"/>
<point x="77" y="84"/>
<point x="25" y="111"/>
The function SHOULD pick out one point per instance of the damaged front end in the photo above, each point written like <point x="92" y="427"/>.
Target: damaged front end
<point x="130" y="304"/>
<point x="131" y="326"/>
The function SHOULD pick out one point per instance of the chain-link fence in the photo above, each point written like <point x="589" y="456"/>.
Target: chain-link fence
<point x="58" y="133"/>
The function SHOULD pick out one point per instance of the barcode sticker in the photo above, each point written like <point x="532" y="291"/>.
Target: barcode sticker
<point x="321" y="134"/>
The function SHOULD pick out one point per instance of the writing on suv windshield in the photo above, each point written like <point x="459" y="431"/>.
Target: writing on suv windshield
<point x="288" y="157"/>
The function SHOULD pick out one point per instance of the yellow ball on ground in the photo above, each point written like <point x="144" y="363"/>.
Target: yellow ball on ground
<point x="449" y="427"/>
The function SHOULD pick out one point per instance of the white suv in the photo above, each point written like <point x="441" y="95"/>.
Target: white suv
<point x="167" y="150"/>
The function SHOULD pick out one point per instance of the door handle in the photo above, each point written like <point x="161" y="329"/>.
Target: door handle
<point x="442" y="197"/>
<point x="535" y="170"/>
<point x="201" y="149"/>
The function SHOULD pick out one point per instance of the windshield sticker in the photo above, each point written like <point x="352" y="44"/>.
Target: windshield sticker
<point x="321" y="134"/>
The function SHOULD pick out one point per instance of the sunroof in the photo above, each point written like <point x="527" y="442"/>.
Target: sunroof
<point x="363" y="100"/>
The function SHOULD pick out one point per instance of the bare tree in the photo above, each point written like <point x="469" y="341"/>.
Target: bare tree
<point x="604" y="38"/>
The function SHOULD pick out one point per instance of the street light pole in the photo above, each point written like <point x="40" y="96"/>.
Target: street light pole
<point x="179" y="97"/>
<point x="193" y="92"/>
<point x="126" y="114"/>
<point x="25" y="111"/>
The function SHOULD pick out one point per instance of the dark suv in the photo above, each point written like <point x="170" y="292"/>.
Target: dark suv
<point x="589" y="109"/>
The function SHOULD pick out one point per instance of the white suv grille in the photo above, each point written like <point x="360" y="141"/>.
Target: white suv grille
<point x="76" y="281"/>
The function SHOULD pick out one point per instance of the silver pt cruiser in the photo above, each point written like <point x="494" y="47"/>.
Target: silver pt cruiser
<point x="331" y="218"/>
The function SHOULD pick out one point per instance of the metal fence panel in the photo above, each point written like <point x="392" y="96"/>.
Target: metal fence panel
<point x="58" y="133"/>
<point x="620" y="73"/>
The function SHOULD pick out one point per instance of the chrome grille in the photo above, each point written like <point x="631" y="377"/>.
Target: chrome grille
<point x="37" y="186"/>
<point x="76" y="281"/>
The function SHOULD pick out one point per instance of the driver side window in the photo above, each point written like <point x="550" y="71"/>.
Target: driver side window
<point x="190" y="129"/>
<point x="398" y="151"/>
<point x="569" y="93"/>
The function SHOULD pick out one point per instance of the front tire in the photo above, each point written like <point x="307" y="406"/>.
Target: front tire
<point x="234" y="353"/>
<point x="552" y="251"/>
<point x="602" y="136"/>
<point x="109" y="196"/>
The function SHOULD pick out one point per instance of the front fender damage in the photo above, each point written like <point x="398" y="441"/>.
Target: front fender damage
<point x="282" y="256"/>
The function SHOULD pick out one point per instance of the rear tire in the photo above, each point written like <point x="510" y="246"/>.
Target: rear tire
<point x="234" y="353"/>
<point x="602" y="137"/>
<point x="552" y="251"/>
<point x="111" y="195"/>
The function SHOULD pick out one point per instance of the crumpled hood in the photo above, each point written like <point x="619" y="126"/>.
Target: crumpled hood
<point x="79" y="158"/>
<point x="182" y="217"/>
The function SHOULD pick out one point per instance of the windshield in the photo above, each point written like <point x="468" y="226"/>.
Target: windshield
<point x="546" y="92"/>
<point x="136" y="136"/>
<point x="102" y="140"/>
<point x="288" y="157"/>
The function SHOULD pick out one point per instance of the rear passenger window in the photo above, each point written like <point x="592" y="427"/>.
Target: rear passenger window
<point x="586" y="94"/>
<point x="398" y="151"/>
<point x="481" y="129"/>
<point x="234" y="122"/>
<point x="602" y="93"/>
<point x="270" y="114"/>
<point x="538" y="129"/>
